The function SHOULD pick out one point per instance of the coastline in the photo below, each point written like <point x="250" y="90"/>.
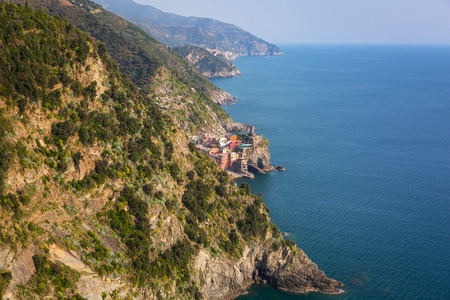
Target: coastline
<point x="319" y="282"/>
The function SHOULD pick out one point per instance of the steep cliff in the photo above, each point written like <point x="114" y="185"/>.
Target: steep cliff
<point x="258" y="157"/>
<point x="286" y="268"/>
<point x="101" y="195"/>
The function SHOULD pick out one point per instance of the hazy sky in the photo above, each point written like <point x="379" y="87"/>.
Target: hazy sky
<point x="326" y="21"/>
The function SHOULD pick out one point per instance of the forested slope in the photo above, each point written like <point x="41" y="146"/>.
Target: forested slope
<point x="101" y="194"/>
<point x="156" y="69"/>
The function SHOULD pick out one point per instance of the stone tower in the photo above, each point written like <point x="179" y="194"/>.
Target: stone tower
<point x="252" y="130"/>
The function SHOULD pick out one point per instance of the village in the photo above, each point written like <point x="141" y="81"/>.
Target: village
<point x="229" y="151"/>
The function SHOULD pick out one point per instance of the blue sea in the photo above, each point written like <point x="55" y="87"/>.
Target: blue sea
<point x="364" y="134"/>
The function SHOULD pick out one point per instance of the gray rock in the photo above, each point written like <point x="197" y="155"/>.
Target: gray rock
<point x="226" y="279"/>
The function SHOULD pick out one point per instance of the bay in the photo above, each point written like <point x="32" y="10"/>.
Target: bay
<point x="363" y="131"/>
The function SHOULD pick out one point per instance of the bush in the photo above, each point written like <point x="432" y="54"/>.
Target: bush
<point x="62" y="131"/>
<point x="255" y="223"/>
<point x="245" y="189"/>
<point x="53" y="276"/>
<point x="148" y="189"/>
<point x="195" y="198"/>
<point x="5" y="280"/>
<point x="11" y="202"/>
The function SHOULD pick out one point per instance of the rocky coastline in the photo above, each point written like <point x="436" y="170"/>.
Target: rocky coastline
<point x="287" y="268"/>
<point x="222" y="98"/>
<point x="222" y="74"/>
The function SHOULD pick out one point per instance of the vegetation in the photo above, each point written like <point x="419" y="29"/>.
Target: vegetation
<point x="5" y="150"/>
<point x="174" y="30"/>
<point x="37" y="52"/>
<point x="5" y="279"/>
<point x="206" y="63"/>
<point x="142" y="59"/>
<point x="55" y="278"/>
<point x="103" y="172"/>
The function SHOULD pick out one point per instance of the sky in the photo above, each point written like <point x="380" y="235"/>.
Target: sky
<point x="326" y="21"/>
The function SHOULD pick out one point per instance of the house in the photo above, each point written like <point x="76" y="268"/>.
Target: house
<point x="234" y="144"/>
<point x="214" y="151"/>
<point x="224" y="161"/>
<point x="233" y="156"/>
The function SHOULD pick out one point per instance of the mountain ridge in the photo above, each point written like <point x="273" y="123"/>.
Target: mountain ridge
<point x="175" y="30"/>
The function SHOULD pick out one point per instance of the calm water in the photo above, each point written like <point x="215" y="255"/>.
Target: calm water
<point x="364" y="133"/>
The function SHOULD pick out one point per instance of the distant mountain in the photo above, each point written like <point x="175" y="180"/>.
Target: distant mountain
<point x="209" y="64"/>
<point x="175" y="30"/>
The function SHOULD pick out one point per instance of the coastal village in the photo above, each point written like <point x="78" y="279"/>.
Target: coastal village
<point x="229" y="151"/>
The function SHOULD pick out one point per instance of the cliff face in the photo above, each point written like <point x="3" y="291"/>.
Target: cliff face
<point x="100" y="191"/>
<point x="222" y="98"/>
<point x="287" y="269"/>
<point x="221" y="74"/>
<point x="236" y="127"/>
<point x="259" y="158"/>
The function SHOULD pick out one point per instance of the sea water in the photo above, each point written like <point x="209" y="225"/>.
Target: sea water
<point x="364" y="134"/>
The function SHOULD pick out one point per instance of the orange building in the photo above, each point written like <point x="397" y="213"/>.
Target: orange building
<point x="224" y="161"/>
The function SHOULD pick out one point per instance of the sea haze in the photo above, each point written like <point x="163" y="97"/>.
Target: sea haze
<point x="364" y="134"/>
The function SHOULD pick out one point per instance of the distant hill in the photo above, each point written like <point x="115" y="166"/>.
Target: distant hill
<point x="210" y="65"/>
<point x="175" y="30"/>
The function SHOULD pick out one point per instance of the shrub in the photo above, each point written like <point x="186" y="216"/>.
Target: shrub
<point x="255" y="223"/>
<point x="62" y="131"/>
<point x="5" y="280"/>
<point x="245" y="189"/>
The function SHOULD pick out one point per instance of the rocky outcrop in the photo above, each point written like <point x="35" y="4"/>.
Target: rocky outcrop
<point x="259" y="158"/>
<point x="210" y="64"/>
<point x="222" y="74"/>
<point x="222" y="98"/>
<point x="284" y="269"/>
<point x="236" y="127"/>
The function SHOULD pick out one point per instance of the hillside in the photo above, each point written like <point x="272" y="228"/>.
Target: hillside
<point x="210" y="65"/>
<point x="102" y="196"/>
<point x="175" y="30"/>
<point x="154" y="68"/>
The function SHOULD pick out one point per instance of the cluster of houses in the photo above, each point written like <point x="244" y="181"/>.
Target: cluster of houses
<point x="228" y="151"/>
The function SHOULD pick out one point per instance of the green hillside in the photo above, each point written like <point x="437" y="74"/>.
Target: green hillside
<point x="154" y="68"/>
<point x="208" y="64"/>
<point x="101" y="194"/>
<point x="105" y="170"/>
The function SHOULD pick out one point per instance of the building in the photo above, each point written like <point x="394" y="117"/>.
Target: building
<point x="214" y="151"/>
<point x="224" y="161"/>
<point x="235" y="144"/>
